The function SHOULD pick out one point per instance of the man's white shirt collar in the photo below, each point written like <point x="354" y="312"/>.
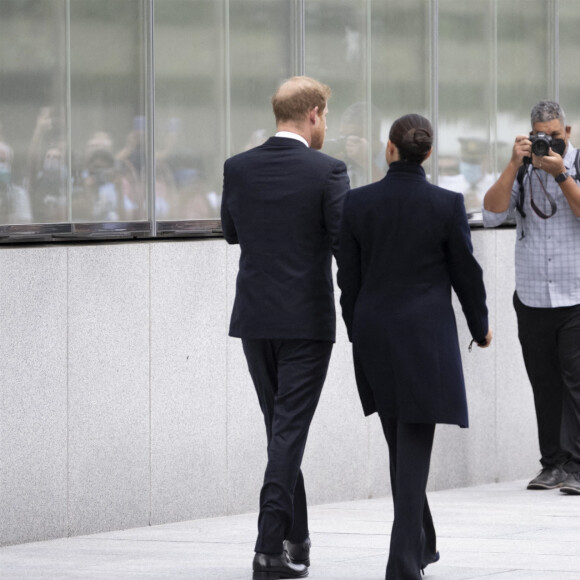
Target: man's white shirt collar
<point x="290" y="135"/>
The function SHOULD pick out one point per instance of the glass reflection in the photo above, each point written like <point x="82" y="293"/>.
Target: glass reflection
<point x="215" y="73"/>
<point x="108" y="124"/>
<point x="190" y="105"/>
<point x="399" y="65"/>
<point x="261" y="56"/>
<point x="466" y="91"/>
<point x="524" y="70"/>
<point x="336" y="53"/>
<point x="569" y="48"/>
<point x="33" y="152"/>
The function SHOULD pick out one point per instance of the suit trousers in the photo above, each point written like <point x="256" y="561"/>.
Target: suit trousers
<point x="413" y="538"/>
<point x="550" y="340"/>
<point x="288" y="376"/>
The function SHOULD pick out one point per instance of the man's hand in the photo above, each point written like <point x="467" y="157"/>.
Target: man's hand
<point x="497" y="198"/>
<point x="551" y="163"/>
<point x="522" y="148"/>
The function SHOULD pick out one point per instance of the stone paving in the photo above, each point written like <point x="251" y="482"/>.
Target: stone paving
<point x="497" y="532"/>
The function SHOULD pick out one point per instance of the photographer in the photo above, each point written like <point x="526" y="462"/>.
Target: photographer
<point x="539" y="188"/>
<point x="354" y="149"/>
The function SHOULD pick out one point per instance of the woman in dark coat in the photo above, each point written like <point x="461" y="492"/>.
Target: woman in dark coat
<point x="404" y="245"/>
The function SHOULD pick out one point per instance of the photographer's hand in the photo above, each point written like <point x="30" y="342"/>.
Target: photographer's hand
<point x="522" y="148"/>
<point x="497" y="198"/>
<point x="551" y="163"/>
<point x="554" y="165"/>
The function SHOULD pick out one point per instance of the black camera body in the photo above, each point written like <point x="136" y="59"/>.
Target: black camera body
<point x="541" y="144"/>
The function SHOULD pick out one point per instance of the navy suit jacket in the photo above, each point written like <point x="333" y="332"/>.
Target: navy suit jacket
<point x="282" y="202"/>
<point x="404" y="245"/>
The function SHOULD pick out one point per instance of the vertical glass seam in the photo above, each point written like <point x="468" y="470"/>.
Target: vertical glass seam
<point x="301" y="32"/>
<point x="68" y="106"/>
<point x="227" y="87"/>
<point x="227" y="145"/>
<point x="556" y="50"/>
<point x="493" y="100"/>
<point x="369" y="90"/>
<point x="434" y="84"/>
<point x="149" y="30"/>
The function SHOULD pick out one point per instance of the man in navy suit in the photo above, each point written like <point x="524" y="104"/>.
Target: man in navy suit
<point x="282" y="203"/>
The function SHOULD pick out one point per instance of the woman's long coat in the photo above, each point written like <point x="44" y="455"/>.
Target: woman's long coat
<point x="404" y="245"/>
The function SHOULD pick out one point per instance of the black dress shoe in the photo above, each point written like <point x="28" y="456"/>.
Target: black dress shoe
<point x="269" y="567"/>
<point x="571" y="485"/>
<point x="548" y="478"/>
<point x="298" y="553"/>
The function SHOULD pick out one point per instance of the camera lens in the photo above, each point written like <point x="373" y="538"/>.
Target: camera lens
<point x="541" y="146"/>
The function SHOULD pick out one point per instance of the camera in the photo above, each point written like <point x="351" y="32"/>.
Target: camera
<point x="335" y="146"/>
<point x="541" y="144"/>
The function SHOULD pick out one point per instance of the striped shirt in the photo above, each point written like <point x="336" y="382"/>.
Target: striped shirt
<point x="547" y="256"/>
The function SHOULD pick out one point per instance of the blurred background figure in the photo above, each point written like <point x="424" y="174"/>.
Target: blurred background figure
<point x="469" y="173"/>
<point x="101" y="197"/>
<point x="48" y="170"/>
<point x="352" y="146"/>
<point x="181" y="178"/>
<point x="100" y="140"/>
<point x="14" y="200"/>
<point x="130" y="163"/>
<point x="474" y="167"/>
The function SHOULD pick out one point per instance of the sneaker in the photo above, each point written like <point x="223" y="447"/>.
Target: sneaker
<point x="548" y="478"/>
<point x="571" y="485"/>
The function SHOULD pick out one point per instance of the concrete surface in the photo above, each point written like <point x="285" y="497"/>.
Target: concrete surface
<point x="500" y="531"/>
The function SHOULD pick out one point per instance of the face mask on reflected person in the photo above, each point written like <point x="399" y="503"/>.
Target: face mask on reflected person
<point x="471" y="171"/>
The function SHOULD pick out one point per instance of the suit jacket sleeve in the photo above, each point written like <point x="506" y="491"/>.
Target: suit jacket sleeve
<point x="336" y="188"/>
<point x="349" y="276"/>
<point x="466" y="273"/>
<point x="228" y="227"/>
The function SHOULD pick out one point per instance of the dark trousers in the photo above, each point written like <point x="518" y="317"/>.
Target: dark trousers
<point x="550" y="340"/>
<point x="288" y="376"/>
<point x="413" y="539"/>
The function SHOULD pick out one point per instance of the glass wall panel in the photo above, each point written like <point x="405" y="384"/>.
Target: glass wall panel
<point x="108" y="110"/>
<point x="33" y="129"/>
<point x="190" y="108"/>
<point x="76" y="98"/>
<point x="569" y="79"/>
<point x="336" y="53"/>
<point x="400" y="65"/>
<point x="262" y="53"/>
<point x="525" y="67"/>
<point x="466" y="98"/>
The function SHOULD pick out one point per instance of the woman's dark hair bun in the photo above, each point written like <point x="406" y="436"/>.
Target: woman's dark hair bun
<point x="413" y="136"/>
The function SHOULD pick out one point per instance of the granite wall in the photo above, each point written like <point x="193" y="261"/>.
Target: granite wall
<point x="123" y="402"/>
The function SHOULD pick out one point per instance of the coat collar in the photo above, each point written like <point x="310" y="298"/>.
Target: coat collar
<point x="284" y="142"/>
<point x="405" y="167"/>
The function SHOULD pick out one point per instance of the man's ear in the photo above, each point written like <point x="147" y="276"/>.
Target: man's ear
<point x="568" y="130"/>
<point x="312" y="115"/>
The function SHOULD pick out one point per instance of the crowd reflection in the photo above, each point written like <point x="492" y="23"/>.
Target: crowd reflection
<point x="106" y="183"/>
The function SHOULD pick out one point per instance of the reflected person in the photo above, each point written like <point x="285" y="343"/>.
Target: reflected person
<point x="364" y="159"/>
<point x="404" y="244"/>
<point x="282" y="203"/>
<point x="14" y="200"/>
